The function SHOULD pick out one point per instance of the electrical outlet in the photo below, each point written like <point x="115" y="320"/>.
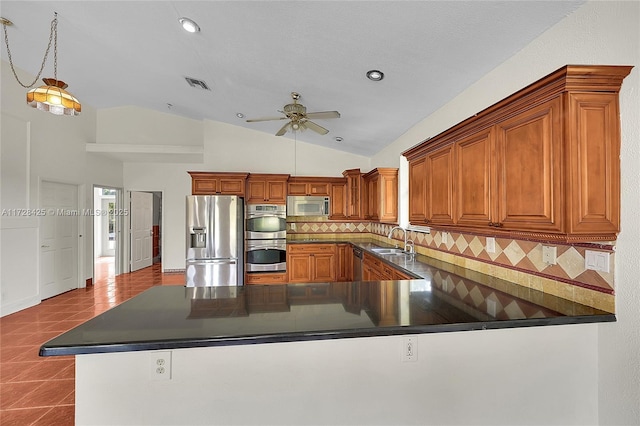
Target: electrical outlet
<point x="596" y="260"/>
<point x="491" y="307"/>
<point x="491" y="245"/>
<point x="444" y="238"/>
<point x="160" y="365"/>
<point x="549" y="255"/>
<point x="293" y="226"/>
<point x="409" y="349"/>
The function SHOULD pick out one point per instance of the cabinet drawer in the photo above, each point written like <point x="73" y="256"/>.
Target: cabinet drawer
<point x="311" y="248"/>
<point x="266" y="278"/>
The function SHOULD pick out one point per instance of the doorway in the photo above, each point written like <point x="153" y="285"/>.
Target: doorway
<point x="145" y="229"/>
<point x="107" y="226"/>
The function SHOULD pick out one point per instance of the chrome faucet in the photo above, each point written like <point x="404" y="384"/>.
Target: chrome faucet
<point x="407" y="243"/>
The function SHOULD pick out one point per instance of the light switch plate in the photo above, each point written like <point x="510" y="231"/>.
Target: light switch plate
<point x="491" y="245"/>
<point x="596" y="260"/>
<point x="549" y="255"/>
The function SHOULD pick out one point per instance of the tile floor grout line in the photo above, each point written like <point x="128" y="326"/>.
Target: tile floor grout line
<point x="30" y="328"/>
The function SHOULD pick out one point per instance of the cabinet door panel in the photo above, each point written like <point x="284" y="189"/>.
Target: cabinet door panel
<point x="417" y="191"/>
<point x="338" y="201"/>
<point x="299" y="268"/>
<point x="473" y="185"/>
<point x="277" y="192"/>
<point x="203" y="186"/>
<point x="318" y="188"/>
<point x="389" y="199"/>
<point x="440" y="186"/>
<point x="594" y="151"/>
<point x="256" y="191"/>
<point x="231" y="186"/>
<point x="297" y="188"/>
<point x="324" y="267"/>
<point x="529" y="180"/>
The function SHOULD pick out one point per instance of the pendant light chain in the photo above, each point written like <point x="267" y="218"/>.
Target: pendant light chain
<point x="53" y="36"/>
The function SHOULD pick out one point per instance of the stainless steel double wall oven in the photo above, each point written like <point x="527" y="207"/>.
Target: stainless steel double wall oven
<point x="266" y="238"/>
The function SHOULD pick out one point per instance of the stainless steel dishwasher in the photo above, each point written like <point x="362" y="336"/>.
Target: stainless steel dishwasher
<point x="357" y="264"/>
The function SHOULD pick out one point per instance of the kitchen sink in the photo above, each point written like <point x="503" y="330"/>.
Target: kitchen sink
<point x="392" y="251"/>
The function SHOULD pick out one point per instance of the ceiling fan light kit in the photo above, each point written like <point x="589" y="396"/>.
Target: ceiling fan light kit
<point x="299" y="118"/>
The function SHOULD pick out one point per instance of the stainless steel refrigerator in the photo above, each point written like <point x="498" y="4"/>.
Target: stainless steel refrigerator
<point x="215" y="237"/>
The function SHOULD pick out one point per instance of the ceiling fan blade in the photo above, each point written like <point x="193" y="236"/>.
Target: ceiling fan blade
<point x="323" y="114"/>
<point x="316" y="128"/>
<point x="253" y="120"/>
<point x="283" y="129"/>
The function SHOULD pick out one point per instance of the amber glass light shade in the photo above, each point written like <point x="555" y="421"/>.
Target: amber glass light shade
<point x="53" y="98"/>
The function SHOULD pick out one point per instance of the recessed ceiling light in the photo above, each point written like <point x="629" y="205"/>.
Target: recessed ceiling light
<point x="189" y="25"/>
<point x="375" y="75"/>
<point x="338" y="139"/>
<point x="240" y="115"/>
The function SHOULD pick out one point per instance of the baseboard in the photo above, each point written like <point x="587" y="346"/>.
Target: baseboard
<point x="13" y="307"/>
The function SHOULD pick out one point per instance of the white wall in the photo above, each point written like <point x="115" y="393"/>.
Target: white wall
<point x="525" y="376"/>
<point x="597" y="33"/>
<point x="228" y="148"/>
<point x="135" y="125"/>
<point x="53" y="148"/>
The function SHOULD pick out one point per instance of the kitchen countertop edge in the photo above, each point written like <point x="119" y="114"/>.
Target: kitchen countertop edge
<point x="289" y="337"/>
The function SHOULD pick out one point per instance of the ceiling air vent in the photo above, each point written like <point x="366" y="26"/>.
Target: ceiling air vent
<point x="193" y="82"/>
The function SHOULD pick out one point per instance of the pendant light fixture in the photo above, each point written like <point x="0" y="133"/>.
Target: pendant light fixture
<point x="51" y="97"/>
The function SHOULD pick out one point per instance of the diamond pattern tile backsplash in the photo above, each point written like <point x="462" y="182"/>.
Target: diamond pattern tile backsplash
<point x="519" y="261"/>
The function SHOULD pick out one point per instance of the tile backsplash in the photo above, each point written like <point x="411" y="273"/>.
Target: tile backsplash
<point x="518" y="261"/>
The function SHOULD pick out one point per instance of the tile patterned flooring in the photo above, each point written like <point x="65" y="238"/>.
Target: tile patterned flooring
<point x="40" y="391"/>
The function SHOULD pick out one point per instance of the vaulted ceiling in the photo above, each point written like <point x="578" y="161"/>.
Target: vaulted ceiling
<point x="253" y="54"/>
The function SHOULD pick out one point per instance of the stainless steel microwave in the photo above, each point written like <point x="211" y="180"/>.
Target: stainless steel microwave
<point x="307" y="206"/>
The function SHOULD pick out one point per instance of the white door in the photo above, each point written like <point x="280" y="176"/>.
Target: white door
<point x="58" y="239"/>
<point x="141" y="230"/>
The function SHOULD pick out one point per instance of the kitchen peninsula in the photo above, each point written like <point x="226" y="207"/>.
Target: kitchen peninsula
<point x="295" y="353"/>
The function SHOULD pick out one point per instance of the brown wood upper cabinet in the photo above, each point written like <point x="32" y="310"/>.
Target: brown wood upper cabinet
<point x="353" y="193"/>
<point x="338" y="200"/>
<point x="218" y="183"/>
<point x="542" y="163"/>
<point x="267" y="188"/>
<point x="381" y="195"/>
<point x="320" y="186"/>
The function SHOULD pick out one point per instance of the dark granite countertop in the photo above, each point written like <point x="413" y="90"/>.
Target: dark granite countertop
<point x="445" y="299"/>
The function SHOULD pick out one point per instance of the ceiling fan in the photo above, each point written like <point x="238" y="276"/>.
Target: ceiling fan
<point x="299" y="117"/>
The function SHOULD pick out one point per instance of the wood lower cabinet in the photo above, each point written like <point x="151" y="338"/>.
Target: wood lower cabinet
<point x="375" y="269"/>
<point x="308" y="263"/>
<point x="543" y="163"/>
<point x="218" y="183"/>
<point x="344" y="258"/>
<point x="265" y="278"/>
<point x="267" y="188"/>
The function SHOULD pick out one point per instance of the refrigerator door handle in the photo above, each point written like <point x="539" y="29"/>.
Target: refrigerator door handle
<point x="212" y="261"/>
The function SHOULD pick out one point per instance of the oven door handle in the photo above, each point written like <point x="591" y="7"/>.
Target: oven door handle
<point x="257" y="215"/>
<point x="266" y="248"/>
